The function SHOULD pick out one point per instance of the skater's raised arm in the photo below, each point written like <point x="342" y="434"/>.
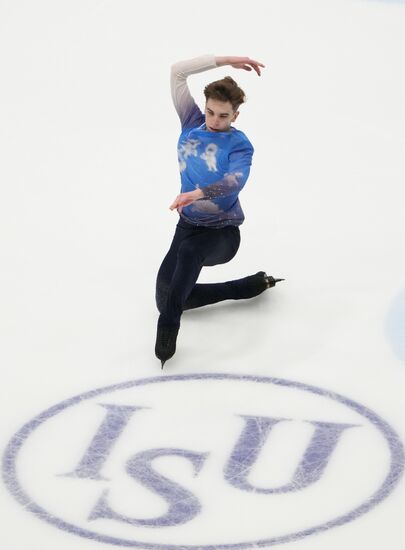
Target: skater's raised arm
<point x="187" y="109"/>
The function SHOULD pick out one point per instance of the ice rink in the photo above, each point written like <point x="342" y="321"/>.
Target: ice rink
<point x="279" y="422"/>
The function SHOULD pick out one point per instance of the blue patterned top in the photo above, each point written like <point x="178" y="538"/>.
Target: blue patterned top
<point x="218" y="163"/>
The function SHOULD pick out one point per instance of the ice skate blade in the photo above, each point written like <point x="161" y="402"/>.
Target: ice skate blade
<point x="271" y="281"/>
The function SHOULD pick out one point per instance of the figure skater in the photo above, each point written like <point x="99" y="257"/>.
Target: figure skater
<point x="214" y="160"/>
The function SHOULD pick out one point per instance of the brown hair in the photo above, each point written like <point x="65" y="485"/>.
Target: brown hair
<point x="225" y="89"/>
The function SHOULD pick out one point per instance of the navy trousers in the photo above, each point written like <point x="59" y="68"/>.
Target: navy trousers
<point x="192" y="248"/>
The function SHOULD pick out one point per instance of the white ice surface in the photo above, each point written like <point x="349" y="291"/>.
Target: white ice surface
<point x="88" y="169"/>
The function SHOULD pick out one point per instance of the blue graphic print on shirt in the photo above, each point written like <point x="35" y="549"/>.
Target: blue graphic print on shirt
<point x="218" y="163"/>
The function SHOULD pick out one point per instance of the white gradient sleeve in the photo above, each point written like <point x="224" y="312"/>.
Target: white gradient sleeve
<point x="186" y="107"/>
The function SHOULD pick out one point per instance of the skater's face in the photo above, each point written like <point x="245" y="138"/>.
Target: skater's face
<point x="219" y="115"/>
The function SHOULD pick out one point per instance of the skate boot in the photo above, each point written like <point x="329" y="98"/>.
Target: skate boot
<point x="270" y="281"/>
<point x="165" y="346"/>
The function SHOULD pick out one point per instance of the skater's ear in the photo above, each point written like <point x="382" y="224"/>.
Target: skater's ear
<point x="235" y="116"/>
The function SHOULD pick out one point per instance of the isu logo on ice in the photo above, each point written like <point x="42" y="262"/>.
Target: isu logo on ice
<point x="213" y="460"/>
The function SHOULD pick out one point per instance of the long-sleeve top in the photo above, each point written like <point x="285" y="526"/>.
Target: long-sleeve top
<point x="218" y="163"/>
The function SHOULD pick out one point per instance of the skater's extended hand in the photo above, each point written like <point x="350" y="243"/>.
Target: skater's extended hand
<point x="185" y="199"/>
<point x="240" y="63"/>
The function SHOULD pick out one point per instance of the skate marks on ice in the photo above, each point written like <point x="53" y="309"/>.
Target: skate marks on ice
<point x="153" y="462"/>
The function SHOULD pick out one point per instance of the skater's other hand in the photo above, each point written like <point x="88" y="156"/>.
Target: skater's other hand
<point x="240" y="63"/>
<point x="184" y="199"/>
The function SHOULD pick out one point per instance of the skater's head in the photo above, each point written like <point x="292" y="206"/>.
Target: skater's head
<point x="223" y="98"/>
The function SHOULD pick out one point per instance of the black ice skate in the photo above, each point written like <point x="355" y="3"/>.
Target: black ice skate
<point x="165" y="346"/>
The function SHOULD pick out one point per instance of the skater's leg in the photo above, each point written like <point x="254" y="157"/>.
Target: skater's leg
<point x="164" y="277"/>
<point x="168" y="266"/>
<point x="187" y="268"/>
<point x="206" y="247"/>
<point x="211" y="293"/>
<point x="238" y="289"/>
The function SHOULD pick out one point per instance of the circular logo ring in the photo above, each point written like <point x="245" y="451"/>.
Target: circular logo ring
<point x="391" y="480"/>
